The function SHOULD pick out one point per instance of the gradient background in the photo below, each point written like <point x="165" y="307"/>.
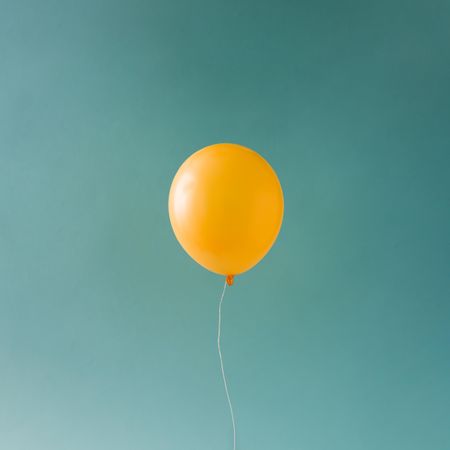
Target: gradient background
<point x="339" y="339"/>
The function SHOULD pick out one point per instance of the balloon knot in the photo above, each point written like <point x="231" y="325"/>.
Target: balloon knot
<point x="230" y="280"/>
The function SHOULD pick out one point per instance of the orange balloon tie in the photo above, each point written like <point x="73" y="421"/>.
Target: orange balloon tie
<point x="230" y="280"/>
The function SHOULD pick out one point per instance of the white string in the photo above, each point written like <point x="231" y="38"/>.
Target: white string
<point x="221" y="366"/>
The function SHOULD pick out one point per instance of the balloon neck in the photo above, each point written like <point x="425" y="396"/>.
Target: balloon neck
<point x="230" y="280"/>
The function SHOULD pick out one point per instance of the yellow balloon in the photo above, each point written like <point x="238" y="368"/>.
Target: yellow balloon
<point x="226" y="208"/>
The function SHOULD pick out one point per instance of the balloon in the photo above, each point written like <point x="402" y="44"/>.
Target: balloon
<point x="226" y="208"/>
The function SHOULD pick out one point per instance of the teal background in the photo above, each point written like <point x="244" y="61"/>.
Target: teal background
<point x="339" y="339"/>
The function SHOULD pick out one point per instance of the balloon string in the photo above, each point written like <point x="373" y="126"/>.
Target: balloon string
<point x="221" y="366"/>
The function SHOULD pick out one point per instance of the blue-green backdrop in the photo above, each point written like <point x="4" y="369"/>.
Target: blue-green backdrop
<point x="339" y="339"/>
